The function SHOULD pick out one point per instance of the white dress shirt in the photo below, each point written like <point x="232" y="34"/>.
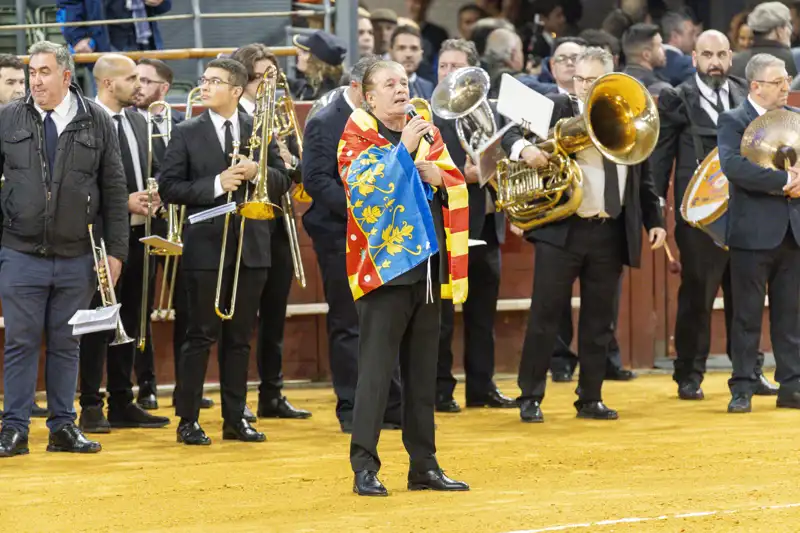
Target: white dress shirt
<point x="161" y="123"/>
<point x="133" y="146"/>
<point x="63" y="113"/>
<point x="249" y="107"/>
<point x="708" y="95"/>
<point x="219" y="127"/>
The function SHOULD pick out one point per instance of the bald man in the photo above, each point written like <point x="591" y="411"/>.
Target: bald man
<point x="504" y="55"/>
<point x="688" y="134"/>
<point x="117" y="88"/>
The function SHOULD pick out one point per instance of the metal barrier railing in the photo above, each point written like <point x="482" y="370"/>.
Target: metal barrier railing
<point x="184" y="53"/>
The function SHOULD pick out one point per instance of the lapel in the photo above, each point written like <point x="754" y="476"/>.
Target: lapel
<point x="211" y="141"/>
<point x="738" y="92"/>
<point x="141" y="141"/>
<point x="750" y="111"/>
<point x="693" y="98"/>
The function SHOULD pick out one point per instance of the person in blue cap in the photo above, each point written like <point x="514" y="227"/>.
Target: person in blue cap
<point x="319" y="64"/>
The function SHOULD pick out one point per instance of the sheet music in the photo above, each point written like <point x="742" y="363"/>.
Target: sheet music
<point x="92" y="320"/>
<point x="524" y="106"/>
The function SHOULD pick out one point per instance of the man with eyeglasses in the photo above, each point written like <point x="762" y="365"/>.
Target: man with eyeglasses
<point x="592" y="245"/>
<point x="561" y="64"/>
<point x="198" y="172"/>
<point x="764" y="241"/>
<point x="689" y="117"/>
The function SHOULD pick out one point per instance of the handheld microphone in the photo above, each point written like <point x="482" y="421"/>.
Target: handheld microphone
<point x="411" y="112"/>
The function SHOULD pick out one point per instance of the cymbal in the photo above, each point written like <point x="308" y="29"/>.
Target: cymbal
<point x="773" y="139"/>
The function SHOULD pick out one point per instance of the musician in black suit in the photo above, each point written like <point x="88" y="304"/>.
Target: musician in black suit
<point x="117" y="84"/>
<point x="198" y="172"/>
<point x="326" y="224"/>
<point x="486" y="224"/>
<point x="256" y="58"/>
<point x="764" y="237"/>
<point x="592" y="245"/>
<point x="689" y="115"/>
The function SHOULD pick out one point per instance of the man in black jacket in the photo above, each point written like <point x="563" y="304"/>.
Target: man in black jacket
<point x="487" y="224"/>
<point x="117" y="85"/>
<point x="198" y="172"/>
<point x="689" y="115"/>
<point x="326" y="224"/>
<point x="592" y="245"/>
<point x="61" y="161"/>
<point x="764" y="238"/>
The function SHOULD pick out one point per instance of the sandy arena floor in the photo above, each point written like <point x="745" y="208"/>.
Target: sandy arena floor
<point x="664" y="466"/>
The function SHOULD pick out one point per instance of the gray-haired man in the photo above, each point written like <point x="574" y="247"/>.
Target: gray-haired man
<point x="771" y="23"/>
<point x="61" y="161"/>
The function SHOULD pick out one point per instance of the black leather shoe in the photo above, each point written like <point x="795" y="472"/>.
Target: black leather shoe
<point x="206" y="403"/>
<point x="690" y="391"/>
<point x="281" y="408"/>
<point x="148" y="402"/>
<point x="191" y="433"/>
<point x="495" y="399"/>
<point x="241" y="430"/>
<point x="595" y="411"/>
<point x="620" y="374"/>
<point x="561" y="377"/>
<point x="446" y="404"/>
<point x="739" y="404"/>
<point x="12" y="442"/>
<point x="134" y="416"/>
<point x="765" y="387"/>
<point x="39" y="412"/>
<point x="366" y="483"/>
<point x="93" y="420"/>
<point x="248" y="415"/>
<point x="68" y="438"/>
<point x="531" y="411"/>
<point x="789" y="400"/>
<point x="434" y="480"/>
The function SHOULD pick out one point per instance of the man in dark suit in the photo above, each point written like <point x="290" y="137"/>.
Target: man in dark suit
<point x="326" y="224"/>
<point x="678" y="32"/>
<point x="764" y="237"/>
<point x="486" y="224"/>
<point x="689" y="116"/>
<point x="644" y="52"/>
<point x="406" y="48"/>
<point x="117" y="84"/>
<point x="771" y="23"/>
<point x="592" y="245"/>
<point x="198" y="172"/>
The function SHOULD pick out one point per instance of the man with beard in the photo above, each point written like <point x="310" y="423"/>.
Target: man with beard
<point x="644" y="52"/>
<point x="689" y="115"/>
<point x="117" y="88"/>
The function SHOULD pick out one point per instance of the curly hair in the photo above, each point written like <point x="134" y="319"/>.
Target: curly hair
<point x="317" y="72"/>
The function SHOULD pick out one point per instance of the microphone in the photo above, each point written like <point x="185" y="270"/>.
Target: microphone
<point x="411" y="112"/>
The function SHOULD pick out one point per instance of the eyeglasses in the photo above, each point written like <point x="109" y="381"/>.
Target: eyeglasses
<point x="780" y="82"/>
<point x="148" y="81"/>
<point x="215" y="82"/>
<point x="581" y="79"/>
<point x="564" y="58"/>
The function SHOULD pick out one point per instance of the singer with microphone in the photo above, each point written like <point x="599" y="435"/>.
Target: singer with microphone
<point x="407" y="207"/>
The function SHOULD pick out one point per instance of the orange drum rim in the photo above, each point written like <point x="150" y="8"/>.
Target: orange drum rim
<point x="699" y="174"/>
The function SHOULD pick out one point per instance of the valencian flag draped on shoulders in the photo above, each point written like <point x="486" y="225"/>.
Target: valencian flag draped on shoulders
<point x="390" y="229"/>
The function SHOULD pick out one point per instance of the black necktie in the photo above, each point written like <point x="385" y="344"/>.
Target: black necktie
<point x="717" y="102"/>
<point x="50" y="141"/>
<point x="127" y="158"/>
<point x="228" y="141"/>
<point x="613" y="206"/>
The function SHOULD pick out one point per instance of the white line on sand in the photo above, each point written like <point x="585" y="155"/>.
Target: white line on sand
<point x="583" y="525"/>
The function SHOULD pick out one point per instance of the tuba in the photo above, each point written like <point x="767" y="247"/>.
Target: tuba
<point x="620" y="120"/>
<point x="106" y="286"/>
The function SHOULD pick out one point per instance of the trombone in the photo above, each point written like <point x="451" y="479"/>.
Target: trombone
<point x="106" y="286"/>
<point x="259" y="207"/>
<point x="285" y="125"/>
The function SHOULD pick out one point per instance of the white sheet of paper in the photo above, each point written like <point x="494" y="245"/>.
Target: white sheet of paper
<point x="92" y="320"/>
<point x="524" y="106"/>
<point x="490" y="154"/>
<point x="160" y="243"/>
<point x="230" y="207"/>
<point x="475" y="242"/>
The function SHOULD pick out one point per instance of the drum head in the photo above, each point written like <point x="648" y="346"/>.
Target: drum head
<point x="706" y="197"/>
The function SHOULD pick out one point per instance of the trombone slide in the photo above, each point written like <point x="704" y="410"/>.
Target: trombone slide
<point x="294" y="240"/>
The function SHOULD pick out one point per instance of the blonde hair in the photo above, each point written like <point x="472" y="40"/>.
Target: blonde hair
<point x="317" y="71"/>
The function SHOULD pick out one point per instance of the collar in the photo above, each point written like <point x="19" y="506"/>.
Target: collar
<point x="104" y="107"/>
<point x="219" y="120"/>
<point x="707" y="91"/>
<point x="62" y="109"/>
<point x="347" y="98"/>
<point x="248" y="106"/>
<point x="562" y="90"/>
<point x="760" y="110"/>
<point x="673" y="48"/>
<point x="412" y="78"/>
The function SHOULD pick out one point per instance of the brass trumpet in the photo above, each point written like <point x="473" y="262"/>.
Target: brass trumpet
<point x="106" y="286"/>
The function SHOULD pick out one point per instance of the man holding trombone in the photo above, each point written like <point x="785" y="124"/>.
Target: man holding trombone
<point x="202" y="169"/>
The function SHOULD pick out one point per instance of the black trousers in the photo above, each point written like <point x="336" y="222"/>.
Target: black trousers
<point x="204" y="329"/>
<point x="95" y="347"/>
<point x="593" y="254"/>
<point x="565" y="360"/>
<point x="704" y="268"/>
<point x="396" y="320"/>
<point x="272" y="314"/>
<point x="754" y="274"/>
<point x="479" y="313"/>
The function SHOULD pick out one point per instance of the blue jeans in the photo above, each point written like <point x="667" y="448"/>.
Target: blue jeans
<point x="40" y="294"/>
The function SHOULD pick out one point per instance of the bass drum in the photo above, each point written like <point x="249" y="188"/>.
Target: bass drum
<point x="705" y="203"/>
<point x="324" y="100"/>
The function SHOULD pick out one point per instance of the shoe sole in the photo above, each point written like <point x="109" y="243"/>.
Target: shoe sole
<point x="147" y="407"/>
<point x="20" y="451"/>
<point x="95" y="430"/>
<point x="181" y="441"/>
<point x="740" y="411"/>
<point x="303" y="417"/>
<point x="691" y="398"/>
<point x="53" y="448"/>
<point x="230" y="437"/>
<point x="532" y="420"/>
<point x="378" y="494"/>
<point x="787" y="405"/>
<point x="504" y="406"/>
<point x="133" y="425"/>
<point x="450" y="411"/>
<point x="416" y="486"/>
<point x="592" y="417"/>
